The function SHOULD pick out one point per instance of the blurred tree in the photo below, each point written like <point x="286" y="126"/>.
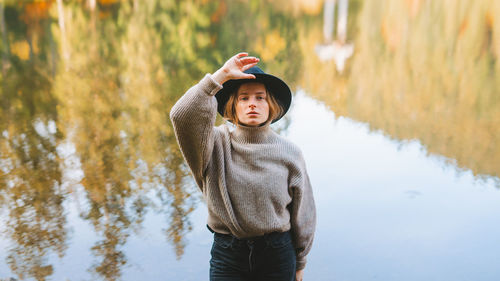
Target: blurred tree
<point x="424" y="70"/>
<point x="117" y="67"/>
<point x="30" y="176"/>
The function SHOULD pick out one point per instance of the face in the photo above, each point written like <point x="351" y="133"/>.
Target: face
<point x="252" y="108"/>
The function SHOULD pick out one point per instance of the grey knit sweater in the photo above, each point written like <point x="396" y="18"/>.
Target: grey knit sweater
<point x="253" y="180"/>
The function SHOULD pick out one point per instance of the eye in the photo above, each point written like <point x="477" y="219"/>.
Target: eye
<point x="244" y="98"/>
<point x="260" y="98"/>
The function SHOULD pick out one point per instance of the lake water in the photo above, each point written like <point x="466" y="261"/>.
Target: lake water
<point x="386" y="211"/>
<point x="400" y="136"/>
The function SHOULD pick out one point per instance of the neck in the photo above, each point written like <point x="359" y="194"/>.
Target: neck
<point x="257" y="134"/>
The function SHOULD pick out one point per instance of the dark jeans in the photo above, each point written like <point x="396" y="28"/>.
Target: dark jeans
<point x="265" y="258"/>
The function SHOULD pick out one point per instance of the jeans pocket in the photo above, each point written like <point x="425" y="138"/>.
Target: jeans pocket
<point x="222" y="241"/>
<point x="280" y="240"/>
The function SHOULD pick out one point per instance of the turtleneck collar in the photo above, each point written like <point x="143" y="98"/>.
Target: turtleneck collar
<point x="247" y="134"/>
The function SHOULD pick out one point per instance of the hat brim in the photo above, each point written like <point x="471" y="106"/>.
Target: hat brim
<point x="278" y="88"/>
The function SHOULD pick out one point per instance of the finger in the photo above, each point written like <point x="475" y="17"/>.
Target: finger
<point x="246" y="60"/>
<point x="248" y="66"/>
<point x="247" y="76"/>
<point x="242" y="54"/>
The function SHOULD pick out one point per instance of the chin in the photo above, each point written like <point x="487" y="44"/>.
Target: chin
<point x="253" y="123"/>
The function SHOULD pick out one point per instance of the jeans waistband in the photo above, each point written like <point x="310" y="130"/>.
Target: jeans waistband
<point x="270" y="235"/>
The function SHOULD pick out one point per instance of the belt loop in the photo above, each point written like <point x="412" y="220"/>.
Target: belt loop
<point x="250" y="244"/>
<point x="267" y="238"/>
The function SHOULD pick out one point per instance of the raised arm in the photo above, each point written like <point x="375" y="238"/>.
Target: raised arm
<point x="233" y="68"/>
<point x="193" y="115"/>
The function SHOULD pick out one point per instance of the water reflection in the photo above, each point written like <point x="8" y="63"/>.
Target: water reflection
<point x="33" y="200"/>
<point x="115" y="114"/>
<point x="86" y="88"/>
<point x="336" y="50"/>
<point x="422" y="71"/>
<point x="104" y="103"/>
<point x="30" y="193"/>
<point x="374" y="226"/>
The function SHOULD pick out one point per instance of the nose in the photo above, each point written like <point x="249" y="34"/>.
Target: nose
<point x="251" y="103"/>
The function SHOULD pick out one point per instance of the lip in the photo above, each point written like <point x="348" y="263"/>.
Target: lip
<point x="252" y="113"/>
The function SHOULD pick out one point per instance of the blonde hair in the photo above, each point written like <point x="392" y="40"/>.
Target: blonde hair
<point x="275" y="109"/>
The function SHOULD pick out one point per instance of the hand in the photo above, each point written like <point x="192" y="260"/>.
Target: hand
<point x="234" y="67"/>
<point x="299" y="275"/>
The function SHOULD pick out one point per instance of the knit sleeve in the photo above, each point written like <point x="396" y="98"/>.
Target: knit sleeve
<point x="193" y="118"/>
<point x="303" y="213"/>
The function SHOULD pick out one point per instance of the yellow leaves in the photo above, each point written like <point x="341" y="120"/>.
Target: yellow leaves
<point x="414" y="7"/>
<point x="463" y="27"/>
<point x="495" y="30"/>
<point x="202" y="40"/>
<point x="219" y="13"/>
<point x="391" y="34"/>
<point x="310" y="7"/>
<point x="36" y="11"/>
<point x="298" y="7"/>
<point x="489" y="19"/>
<point x="439" y="65"/>
<point x="21" y="49"/>
<point x="108" y="2"/>
<point x="272" y="44"/>
<point x="394" y="23"/>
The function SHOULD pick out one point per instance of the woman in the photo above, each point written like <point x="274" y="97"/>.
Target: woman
<point x="260" y="202"/>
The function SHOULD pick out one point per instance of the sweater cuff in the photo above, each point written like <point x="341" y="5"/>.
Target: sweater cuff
<point x="209" y="85"/>
<point x="301" y="263"/>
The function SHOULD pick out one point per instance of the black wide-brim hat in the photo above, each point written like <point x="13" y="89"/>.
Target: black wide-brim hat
<point x="279" y="89"/>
